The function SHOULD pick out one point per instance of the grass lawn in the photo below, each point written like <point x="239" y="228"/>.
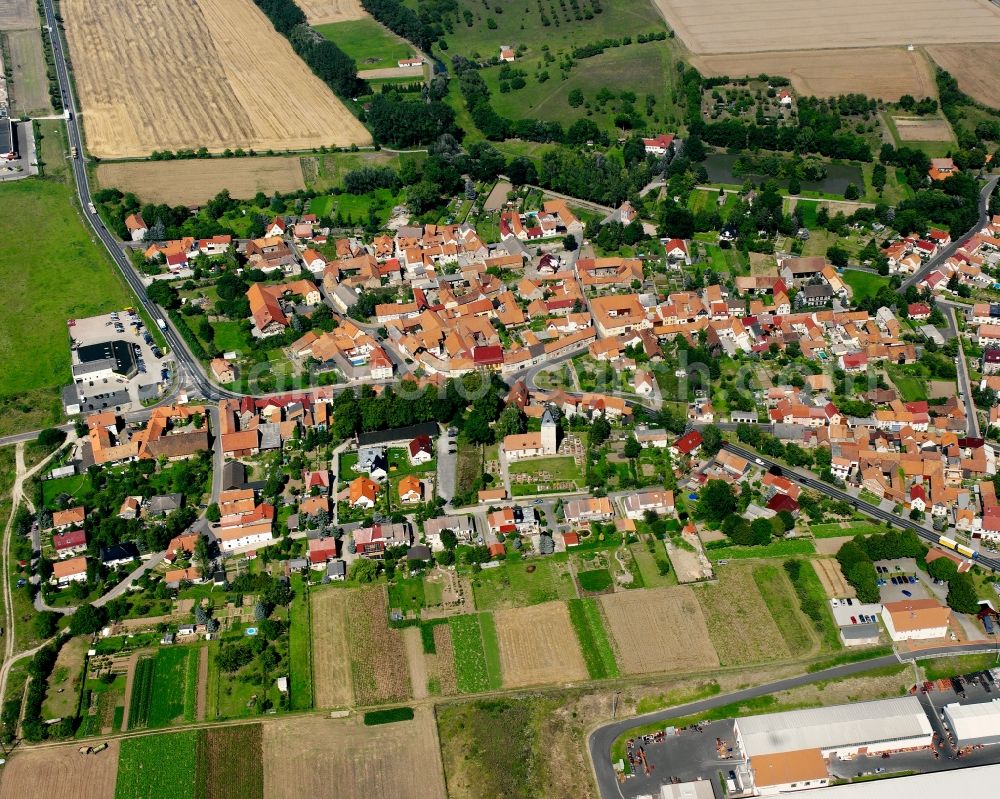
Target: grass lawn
<point x="836" y="529"/>
<point x="518" y="584"/>
<point x="911" y="388"/>
<point x="407" y="595"/>
<point x="55" y="272"/>
<point x="172" y="675"/>
<point x="776" y="549"/>
<point x="863" y="284"/>
<point x="367" y="42"/>
<point x="585" y="614"/>
<point x="558" y="468"/>
<point x="157" y="765"/>
<point x="62" y="693"/>
<point x="477" y="653"/>
<point x="228" y="336"/>
<point x="648" y="569"/>
<point x="942" y="668"/>
<point x="300" y="647"/>
<point x="594" y="580"/>
<point x="779" y="596"/>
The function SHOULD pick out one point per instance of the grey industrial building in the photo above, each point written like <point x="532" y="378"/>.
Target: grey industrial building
<point x="103" y="360"/>
<point x="973" y="724"/>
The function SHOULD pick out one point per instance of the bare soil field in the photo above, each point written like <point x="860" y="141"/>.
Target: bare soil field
<point x="886" y="72"/>
<point x="441" y="665"/>
<point x="331" y="658"/>
<point x="206" y="84"/>
<point x="718" y="26"/>
<point x="413" y="73"/>
<point x="661" y="629"/>
<point x="416" y="662"/>
<point x="975" y="67"/>
<point x="60" y="771"/>
<point x="324" y="757"/>
<point x="832" y="578"/>
<point x="830" y="546"/>
<point x="320" y="12"/>
<point x="739" y="623"/>
<point x="917" y="129"/>
<point x="29" y="83"/>
<point x="18" y="15"/>
<point x="538" y="646"/>
<point x="193" y="182"/>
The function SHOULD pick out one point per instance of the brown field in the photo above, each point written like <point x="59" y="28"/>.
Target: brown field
<point x="917" y="129"/>
<point x="441" y="665"/>
<point x="29" y="84"/>
<point x="739" y="623"/>
<point x="538" y="645"/>
<point x="324" y="757"/>
<point x="17" y="15"/>
<point x="831" y="546"/>
<point x="661" y="629"/>
<point x="319" y="12"/>
<point x="331" y="659"/>
<point x="719" y="26"/>
<point x="193" y="182"/>
<point x="885" y="72"/>
<point x="416" y="661"/>
<point x="832" y="579"/>
<point x="222" y="78"/>
<point x="975" y="67"/>
<point x="379" y="670"/>
<point x="60" y="771"/>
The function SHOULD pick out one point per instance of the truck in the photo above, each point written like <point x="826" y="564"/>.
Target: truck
<point x="72" y="152"/>
<point x="91" y="207"/>
<point x="160" y="323"/>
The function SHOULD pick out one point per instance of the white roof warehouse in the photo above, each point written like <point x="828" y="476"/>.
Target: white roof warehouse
<point x="974" y="724"/>
<point x="841" y="731"/>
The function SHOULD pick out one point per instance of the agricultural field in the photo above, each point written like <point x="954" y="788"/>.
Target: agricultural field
<point x="538" y="646"/>
<point x="175" y="686"/>
<point x="742" y="631"/>
<point x="976" y="67"/>
<point x="142" y="772"/>
<point x="29" y="84"/>
<point x="18" y="15"/>
<point x="476" y="653"/>
<point x="63" y="691"/>
<point x="300" y="648"/>
<point x="195" y="181"/>
<point x="520" y="583"/>
<point x="368" y="43"/>
<point x="230" y="763"/>
<point x="932" y="129"/>
<point x="331" y="658"/>
<point x="832" y="578"/>
<point x="379" y="672"/>
<point x="400" y="760"/>
<point x="779" y="596"/>
<point x="62" y="772"/>
<point x="319" y="12"/>
<point x="70" y="277"/>
<point x="439" y="660"/>
<point x="592" y="635"/>
<point x="213" y="61"/>
<point x="658" y="630"/>
<point x="715" y="26"/>
<point x="882" y="72"/>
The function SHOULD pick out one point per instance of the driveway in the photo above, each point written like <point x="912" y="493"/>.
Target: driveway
<point x="447" y="463"/>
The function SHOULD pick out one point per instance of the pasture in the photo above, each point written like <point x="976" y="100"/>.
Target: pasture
<point x="976" y="67"/>
<point x="30" y="83"/>
<point x="740" y="625"/>
<point x="195" y="181"/>
<point x="319" y="12"/>
<point x="538" y="646"/>
<point x="656" y="630"/>
<point x="716" y="26"/>
<point x="331" y="658"/>
<point x="368" y="43"/>
<point x="219" y="57"/>
<point x="885" y="72"/>
<point x="401" y="760"/>
<point x="60" y="771"/>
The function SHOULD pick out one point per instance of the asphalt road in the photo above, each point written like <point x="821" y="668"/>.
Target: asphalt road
<point x="865" y="507"/>
<point x="964" y="386"/>
<point x="946" y="253"/>
<point x="600" y="741"/>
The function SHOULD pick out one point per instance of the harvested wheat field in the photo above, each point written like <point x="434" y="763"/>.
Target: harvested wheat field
<point x="721" y="26"/>
<point x="379" y="670"/>
<point x="193" y="182"/>
<point x="18" y="15"/>
<point x="320" y="12"/>
<point x="739" y="623"/>
<point x="60" y="771"/>
<point x="337" y="757"/>
<point x="538" y="646"/>
<point x="976" y="68"/>
<point x="662" y="629"/>
<point x="222" y="77"/>
<point x="331" y="659"/>
<point x="832" y="579"/>
<point x="885" y="72"/>
<point x="922" y="129"/>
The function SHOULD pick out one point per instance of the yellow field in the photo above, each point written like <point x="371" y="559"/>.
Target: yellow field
<point x="193" y="182"/>
<point x="168" y="75"/>
<point x="883" y="72"/>
<point x="331" y="658"/>
<point x="745" y="26"/>
<point x="18" y="15"/>
<point x="538" y="646"/>
<point x="975" y="67"/>
<point x="319" y="12"/>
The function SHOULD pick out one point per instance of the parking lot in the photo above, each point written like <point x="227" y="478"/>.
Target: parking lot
<point x="120" y="393"/>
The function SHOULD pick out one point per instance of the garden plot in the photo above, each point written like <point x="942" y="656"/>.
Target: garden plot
<point x="832" y="578"/>
<point x="538" y="646"/>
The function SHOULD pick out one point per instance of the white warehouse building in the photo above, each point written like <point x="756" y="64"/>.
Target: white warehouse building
<point x="974" y="724"/>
